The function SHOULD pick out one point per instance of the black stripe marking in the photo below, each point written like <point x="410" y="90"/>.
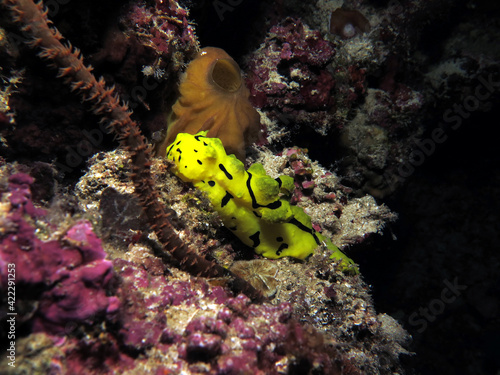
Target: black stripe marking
<point x="223" y="169"/>
<point x="273" y="205"/>
<point x="256" y="214"/>
<point x="197" y="137"/>
<point x="199" y="162"/>
<point x="226" y="199"/>
<point x="255" y="238"/>
<point x="301" y="226"/>
<point x="180" y="152"/>
<point x="171" y="147"/>
<point x="252" y="195"/>
<point x="282" y="247"/>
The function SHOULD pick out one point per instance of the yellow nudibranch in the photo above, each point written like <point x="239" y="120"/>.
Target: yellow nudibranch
<point x="250" y="203"/>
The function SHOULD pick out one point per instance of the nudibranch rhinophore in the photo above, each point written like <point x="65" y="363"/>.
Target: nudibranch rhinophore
<point x="213" y="97"/>
<point x="250" y="203"/>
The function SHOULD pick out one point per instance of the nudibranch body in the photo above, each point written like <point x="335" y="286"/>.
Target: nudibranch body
<point x="213" y="97"/>
<point x="251" y="204"/>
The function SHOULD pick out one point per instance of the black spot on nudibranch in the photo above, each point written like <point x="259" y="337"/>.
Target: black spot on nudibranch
<point x="255" y="238"/>
<point x="197" y="137"/>
<point x="279" y="239"/>
<point x="211" y="183"/>
<point x="282" y="247"/>
<point x="223" y="169"/>
<point x="226" y="199"/>
<point x="199" y="162"/>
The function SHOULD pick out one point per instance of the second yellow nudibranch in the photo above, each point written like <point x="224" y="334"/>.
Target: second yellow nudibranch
<point x="250" y="203"/>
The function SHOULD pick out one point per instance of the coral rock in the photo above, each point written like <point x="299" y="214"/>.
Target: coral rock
<point x="72" y="275"/>
<point x="288" y="76"/>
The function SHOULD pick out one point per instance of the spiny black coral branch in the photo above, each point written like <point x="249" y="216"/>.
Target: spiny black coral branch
<point x="105" y="102"/>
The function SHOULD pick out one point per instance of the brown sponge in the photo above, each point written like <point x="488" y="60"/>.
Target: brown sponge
<point x="213" y="97"/>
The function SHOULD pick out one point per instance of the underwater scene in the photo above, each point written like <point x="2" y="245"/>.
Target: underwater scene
<point x="241" y="187"/>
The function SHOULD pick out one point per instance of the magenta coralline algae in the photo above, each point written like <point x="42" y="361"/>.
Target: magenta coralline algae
<point x="289" y="77"/>
<point x="66" y="279"/>
<point x="161" y="24"/>
<point x="208" y="328"/>
<point x="295" y="54"/>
